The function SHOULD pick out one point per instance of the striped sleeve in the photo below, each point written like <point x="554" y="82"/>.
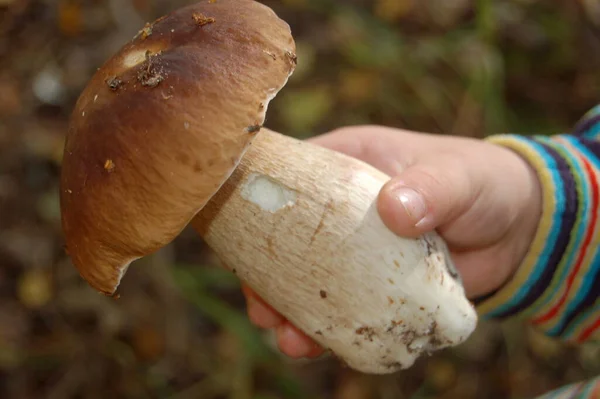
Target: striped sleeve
<point x="581" y="390"/>
<point x="557" y="287"/>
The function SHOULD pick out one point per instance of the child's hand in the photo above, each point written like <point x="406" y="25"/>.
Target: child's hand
<point x="482" y="198"/>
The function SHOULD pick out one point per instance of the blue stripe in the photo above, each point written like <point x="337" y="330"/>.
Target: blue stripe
<point x="588" y="279"/>
<point x="582" y="293"/>
<point x="593" y="131"/>
<point x="553" y="232"/>
<point x="593" y="311"/>
<point x="560" y="392"/>
<point x="593" y="112"/>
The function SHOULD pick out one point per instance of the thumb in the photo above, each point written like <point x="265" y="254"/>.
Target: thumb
<point x="427" y="196"/>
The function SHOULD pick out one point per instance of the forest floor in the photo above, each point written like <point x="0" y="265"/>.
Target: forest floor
<point x="180" y="329"/>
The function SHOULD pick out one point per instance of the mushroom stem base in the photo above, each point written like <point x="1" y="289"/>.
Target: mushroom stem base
<point x="298" y="223"/>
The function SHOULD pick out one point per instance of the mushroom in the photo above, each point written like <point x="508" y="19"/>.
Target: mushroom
<point x="169" y="132"/>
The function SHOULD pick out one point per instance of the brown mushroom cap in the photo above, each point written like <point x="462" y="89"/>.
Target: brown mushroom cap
<point x="162" y="125"/>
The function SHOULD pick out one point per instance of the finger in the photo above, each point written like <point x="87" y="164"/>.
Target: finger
<point x="374" y="145"/>
<point x="316" y="352"/>
<point x="293" y="343"/>
<point x="264" y="316"/>
<point x="261" y="313"/>
<point x="479" y="271"/>
<point x="350" y="141"/>
<point x="428" y="195"/>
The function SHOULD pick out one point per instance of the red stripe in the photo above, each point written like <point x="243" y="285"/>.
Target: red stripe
<point x="588" y="331"/>
<point x="586" y="243"/>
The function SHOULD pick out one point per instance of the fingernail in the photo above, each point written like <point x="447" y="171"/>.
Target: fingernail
<point x="413" y="204"/>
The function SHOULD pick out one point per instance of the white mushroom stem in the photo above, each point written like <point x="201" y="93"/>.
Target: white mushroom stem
<point x="299" y="224"/>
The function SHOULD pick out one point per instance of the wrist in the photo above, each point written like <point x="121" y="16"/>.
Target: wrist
<point x="528" y="218"/>
<point x="539" y="239"/>
<point x="527" y="239"/>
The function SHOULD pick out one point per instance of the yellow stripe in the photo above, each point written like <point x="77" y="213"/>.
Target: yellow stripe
<point x="543" y="230"/>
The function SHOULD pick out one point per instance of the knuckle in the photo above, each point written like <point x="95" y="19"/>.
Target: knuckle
<point x="430" y="179"/>
<point x="444" y="189"/>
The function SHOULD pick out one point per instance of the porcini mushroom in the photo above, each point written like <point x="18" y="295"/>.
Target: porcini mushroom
<point x="169" y="132"/>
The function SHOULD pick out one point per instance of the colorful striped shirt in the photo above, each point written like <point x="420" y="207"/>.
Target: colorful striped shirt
<point x="557" y="286"/>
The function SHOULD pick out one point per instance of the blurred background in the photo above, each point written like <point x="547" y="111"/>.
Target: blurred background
<point x="460" y="67"/>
